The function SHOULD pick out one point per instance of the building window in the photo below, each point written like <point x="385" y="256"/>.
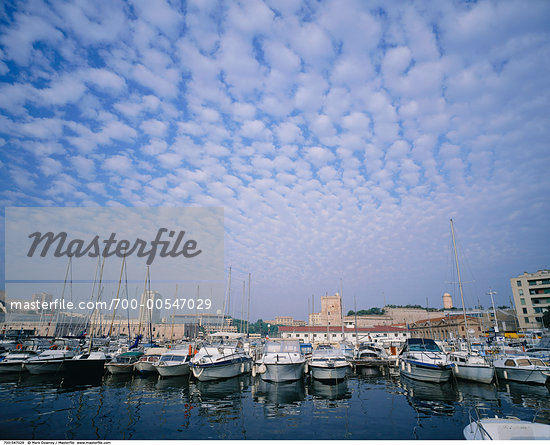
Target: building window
<point x="524" y="310"/>
<point x="536" y="301"/>
<point x="518" y="282"/>
<point x="526" y="319"/>
<point x="522" y="300"/>
<point x="521" y="291"/>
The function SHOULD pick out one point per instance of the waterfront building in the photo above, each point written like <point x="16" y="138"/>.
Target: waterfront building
<point x="447" y="327"/>
<point x="447" y="301"/>
<point x="315" y="319"/>
<point x="286" y="321"/>
<point x="531" y="297"/>
<point x="331" y="311"/>
<point x="148" y="310"/>
<point x="320" y="334"/>
<point x="403" y="314"/>
<point x="367" y="321"/>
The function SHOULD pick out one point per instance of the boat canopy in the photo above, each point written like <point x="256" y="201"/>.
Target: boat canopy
<point x="282" y="346"/>
<point x="131" y="354"/>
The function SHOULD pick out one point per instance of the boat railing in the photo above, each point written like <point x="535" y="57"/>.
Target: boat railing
<point x="477" y="422"/>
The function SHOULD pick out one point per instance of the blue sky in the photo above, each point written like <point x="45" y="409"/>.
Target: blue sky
<point x="339" y="136"/>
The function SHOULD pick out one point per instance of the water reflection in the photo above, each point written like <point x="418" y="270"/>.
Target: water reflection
<point x="472" y="392"/>
<point x="330" y="391"/>
<point x="218" y="389"/>
<point x="534" y="397"/>
<point x="279" y="399"/>
<point x="130" y="407"/>
<point x="430" y="398"/>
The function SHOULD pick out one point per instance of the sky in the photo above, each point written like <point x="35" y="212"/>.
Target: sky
<point x="340" y="137"/>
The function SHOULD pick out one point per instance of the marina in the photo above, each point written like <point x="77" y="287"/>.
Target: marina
<point x="380" y="406"/>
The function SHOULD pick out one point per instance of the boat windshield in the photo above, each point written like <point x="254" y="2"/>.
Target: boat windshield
<point x="284" y="346"/>
<point x="328" y="353"/>
<point x="172" y="358"/>
<point x="536" y="362"/>
<point x="423" y="345"/>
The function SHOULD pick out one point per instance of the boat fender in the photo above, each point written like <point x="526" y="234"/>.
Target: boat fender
<point x="262" y="369"/>
<point x="306" y="368"/>
<point x="190" y="350"/>
<point x="254" y="371"/>
<point x="19" y="346"/>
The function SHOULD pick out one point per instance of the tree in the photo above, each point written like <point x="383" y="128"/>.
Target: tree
<point x="546" y="318"/>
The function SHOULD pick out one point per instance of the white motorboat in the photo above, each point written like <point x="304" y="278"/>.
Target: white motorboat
<point x="523" y="369"/>
<point x="173" y="363"/>
<point x="282" y="362"/>
<point x="422" y="359"/>
<point x="13" y="361"/>
<point x="123" y="363"/>
<point x="471" y="366"/>
<point x="220" y="361"/>
<point x="328" y="364"/>
<point x="508" y="428"/>
<point x="146" y="363"/>
<point x="50" y="361"/>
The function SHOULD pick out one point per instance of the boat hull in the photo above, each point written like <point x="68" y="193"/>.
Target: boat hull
<point x="7" y="368"/>
<point x="118" y="368"/>
<point x="481" y="374"/>
<point x="425" y="373"/>
<point x="173" y="370"/>
<point x="329" y="373"/>
<point x="85" y="368"/>
<point x="506" y="429"/>
<point x="45" y="366"/>
<point x="287" y="372"/>
<point x="522" y="375"/>
<point x="145" y="368"/>
<point x="224" y="370"/>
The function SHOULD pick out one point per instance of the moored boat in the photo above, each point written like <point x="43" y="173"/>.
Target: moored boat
<point x="123" y="363"/>
<point x="173" y="363"/>
<point x="471" y="366"/>
<point x="13" y="361"/>
<point x="505" y="428"/>
<point x="523" y="369"/>
<point x="328" y="364"/>
<point x="422" y="359"/>
<point x="282" y="362"/>
<point x="146" y="363"/>
<point x="50" y="361"/>
<point x="220" y="361"/>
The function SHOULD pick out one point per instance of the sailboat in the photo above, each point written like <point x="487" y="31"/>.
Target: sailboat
<point x="469" y="365"/>
<point x="90" y="364"/>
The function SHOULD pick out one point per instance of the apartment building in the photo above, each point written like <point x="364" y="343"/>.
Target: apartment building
<point x="531" y="297"/>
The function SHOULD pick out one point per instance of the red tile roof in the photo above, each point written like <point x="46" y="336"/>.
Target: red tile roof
<point x="321" y="329"/>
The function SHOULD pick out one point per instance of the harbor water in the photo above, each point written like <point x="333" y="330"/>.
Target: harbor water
<point x="379" y="406"/>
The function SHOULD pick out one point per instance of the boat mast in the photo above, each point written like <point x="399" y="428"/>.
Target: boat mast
<point x="356" y="336"/>
<point x="342" y="309"/>
<point x="117" y="294"/>
<point x="248" y="310"/>
<point x="491" y="293"/>
<point x="460" y="286"/>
